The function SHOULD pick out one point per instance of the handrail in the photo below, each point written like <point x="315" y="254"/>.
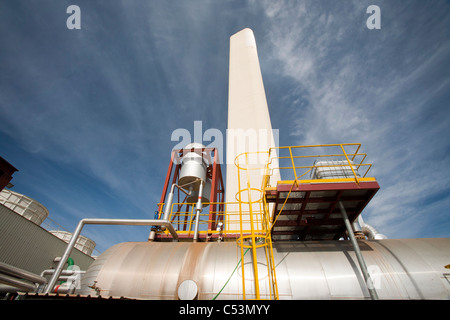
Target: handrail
<point x="350" y="164"/>
<point x="186" y="217"/>
<point x="353" y="161"/>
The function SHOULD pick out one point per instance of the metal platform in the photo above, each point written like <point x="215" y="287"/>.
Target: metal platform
<point x="310" y="211"/>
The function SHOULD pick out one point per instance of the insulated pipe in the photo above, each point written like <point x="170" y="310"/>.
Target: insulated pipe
<point x="170" y="198"/>
<point x="169" y="203"/>
<point x="65" y="275"/>
<point x="20" y="273"/>
<point x="70" y="263"/>
<point x="357" y="226"/>
<point x="198" y="209"/>
<point x="372" y="233"/>
<point x="65" y="278"/>
<point x="73" y="239"/>
<point x="17" y="283"/>
<point x="5" y="288"/>
<point x="65" y="288"/>
<point x="362" y="263"/>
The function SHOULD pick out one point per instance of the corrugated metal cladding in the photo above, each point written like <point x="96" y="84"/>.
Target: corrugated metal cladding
<point x="28" y="246"/>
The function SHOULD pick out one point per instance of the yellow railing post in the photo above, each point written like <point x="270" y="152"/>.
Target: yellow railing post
<point x="356" y="152"/>
<point x="350" y="164"/>
<point x="252" y="231"/>
<point x="269" y="254"/>
<point x="241" y="232"/>
<point x="293" y="164"/>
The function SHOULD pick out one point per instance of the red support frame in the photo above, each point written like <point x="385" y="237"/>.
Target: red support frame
<point x="166" y="185"/>
<point x="217" y="194"/>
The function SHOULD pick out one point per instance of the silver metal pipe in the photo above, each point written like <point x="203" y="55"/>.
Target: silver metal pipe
<point x="17" y="283"/>
<point x="73" y="239"/>
<point x="198" y="209"/>
<point x="357" y="226"/>
<point x="21" y="273"/>
<point x="63" y="273"/>
<point x="362" y="263"/>
<point x="372" y="233"/>
<point x="152" y="235"/>
<point x="168" y="205"/>
<point x="66" y="288"/>
<point x="5" y="288"/>
<point x="65" y="278"/>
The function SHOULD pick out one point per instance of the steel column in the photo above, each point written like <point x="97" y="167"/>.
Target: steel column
<point x="198" y="209"/>
<point x="362" y="263"/>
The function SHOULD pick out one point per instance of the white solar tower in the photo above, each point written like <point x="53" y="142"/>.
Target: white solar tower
<point x="249" y="125"/>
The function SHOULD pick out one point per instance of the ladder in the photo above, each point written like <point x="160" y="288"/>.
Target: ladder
<point x="255" y="238"/>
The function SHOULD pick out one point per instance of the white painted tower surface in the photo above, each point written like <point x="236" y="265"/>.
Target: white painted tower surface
<point x="249" y="125"/>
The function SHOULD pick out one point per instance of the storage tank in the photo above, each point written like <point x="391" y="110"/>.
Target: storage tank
<point x="83" y="243"/>
<point x="400" y="269"/>
<point x="206" y="193"/>
<point x="333" y="169"/>
<point x="193" y="166"/>
<point x="23" y="205"/>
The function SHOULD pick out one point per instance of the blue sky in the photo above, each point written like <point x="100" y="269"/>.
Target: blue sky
<point x="87" y="115"/>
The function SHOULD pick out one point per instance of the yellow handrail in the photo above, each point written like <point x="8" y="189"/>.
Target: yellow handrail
<point x="300" y="162"/>
<point x="350" y="164"/>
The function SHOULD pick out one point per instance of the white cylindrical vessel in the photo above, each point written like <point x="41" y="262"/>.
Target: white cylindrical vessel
<point x="206" y="193"/>
<point x="193" y="166"/>
<point x="333" y="169"/>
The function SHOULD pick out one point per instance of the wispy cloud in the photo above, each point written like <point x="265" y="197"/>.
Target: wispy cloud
<point x="375" y="87"/>
<point x="99" y="105"/>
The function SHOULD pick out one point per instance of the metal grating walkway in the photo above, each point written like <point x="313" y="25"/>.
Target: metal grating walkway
<point x="310" y="211"/>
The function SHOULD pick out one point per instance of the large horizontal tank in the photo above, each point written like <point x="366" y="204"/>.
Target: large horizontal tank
<point x="401" y="269"/>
